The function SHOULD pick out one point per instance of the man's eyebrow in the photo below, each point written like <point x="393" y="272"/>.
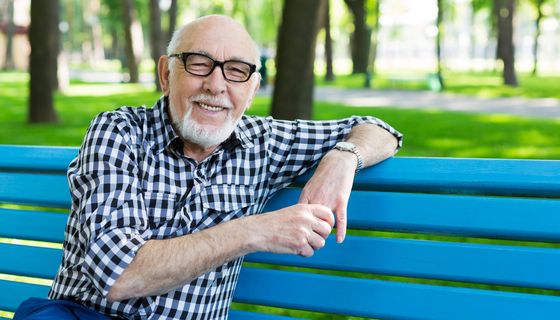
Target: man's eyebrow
<point x="236" y="58"/>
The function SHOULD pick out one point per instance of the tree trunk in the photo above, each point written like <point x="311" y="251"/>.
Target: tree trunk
<point x="359" y="41"/>
<point x="374" y="42"/>
<point x="172" y="20"/>
<point x="537" y="35"/>
<point x="329" y="74"/>
<point x="96" y="32"/>
<point x="506" y="51"/>
<point x="10" y="28"/>
<point x="155" y="38"/>
<point x="43" y="38"/>
<point x="293" y="90"/>
<point x="438" y="43"/>
<point x="133" y="37"/>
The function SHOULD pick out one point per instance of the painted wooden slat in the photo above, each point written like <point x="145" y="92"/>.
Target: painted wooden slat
<point x="477" y="216"/>
<point x="24" y="260"/>
<point x="411" y="174"/>
<point x="466" y="262"/>
<point x="453" y="175"/>
<point x="36" y="158"/>
<point x="385" y="299"/>
<point x="24" y="224"/>
<point x="50" y="190"/>
<point x="12" y="294"/>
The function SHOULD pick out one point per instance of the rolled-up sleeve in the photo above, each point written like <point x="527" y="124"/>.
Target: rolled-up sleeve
<point x="296" y="146"/>
<point x="107" y="199"/>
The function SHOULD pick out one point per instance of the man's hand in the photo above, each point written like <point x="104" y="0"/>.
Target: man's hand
<point x="331" y="186"/>
<point x="299" y="229"/>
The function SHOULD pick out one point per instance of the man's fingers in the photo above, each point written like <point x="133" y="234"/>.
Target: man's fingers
<point x="316" y="241"/>
<point x="341" y="223"/>
<point x="323" y="213"/>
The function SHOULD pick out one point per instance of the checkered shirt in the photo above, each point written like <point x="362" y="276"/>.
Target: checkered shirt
<point x="131" y="183"/>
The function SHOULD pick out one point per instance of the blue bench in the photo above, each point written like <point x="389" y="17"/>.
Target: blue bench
<point x="430" y="238"/>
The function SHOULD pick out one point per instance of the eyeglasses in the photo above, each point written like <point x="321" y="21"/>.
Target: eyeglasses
<point x="202" y="65"/>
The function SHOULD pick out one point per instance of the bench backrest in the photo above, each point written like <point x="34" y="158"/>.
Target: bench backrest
<point x="429" y="238"/>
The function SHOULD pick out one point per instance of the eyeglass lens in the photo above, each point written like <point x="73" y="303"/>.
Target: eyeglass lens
<point x="202" y="65"/>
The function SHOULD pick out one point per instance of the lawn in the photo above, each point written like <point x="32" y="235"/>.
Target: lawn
<point x="481" y="84"/>
<point x="427" y="132"/>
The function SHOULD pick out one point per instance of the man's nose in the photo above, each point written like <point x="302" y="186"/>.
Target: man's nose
<point x="215" y="83"/>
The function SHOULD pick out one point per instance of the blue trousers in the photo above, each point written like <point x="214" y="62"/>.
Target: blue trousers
<point x="44" y="309"/>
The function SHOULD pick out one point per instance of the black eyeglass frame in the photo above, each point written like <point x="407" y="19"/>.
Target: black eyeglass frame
<point x="184" y="55"/>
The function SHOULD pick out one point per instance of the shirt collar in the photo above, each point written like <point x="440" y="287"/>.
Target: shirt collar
<point x="167" y="138"/>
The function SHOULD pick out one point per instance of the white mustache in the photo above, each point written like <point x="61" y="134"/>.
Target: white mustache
<point x="212" y="100"/>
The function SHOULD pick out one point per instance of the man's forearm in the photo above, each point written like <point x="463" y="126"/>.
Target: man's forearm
<point x="163" y="265"/>
<point x="374" y="143"/>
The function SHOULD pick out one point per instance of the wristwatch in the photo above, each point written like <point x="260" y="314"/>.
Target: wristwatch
<point x="350" y="147"/>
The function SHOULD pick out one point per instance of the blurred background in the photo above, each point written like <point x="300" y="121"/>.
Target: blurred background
<point x="468" y="78"/>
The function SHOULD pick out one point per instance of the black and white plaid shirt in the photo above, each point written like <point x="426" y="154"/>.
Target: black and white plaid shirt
<point x="131" y="183"/>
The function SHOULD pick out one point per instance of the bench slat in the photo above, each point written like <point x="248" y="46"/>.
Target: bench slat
<point x="476" y="216"/>
<point x="526" y="267"/>
<point x="23" y="224"/>
<point x="467" y="262"/>
<point x="23" y="260"/>
<point x="385" y="299"/>
<point x="452" y="175"/>
<point x="12" y="294"/>
<point x="36" y="158"/>
<point x="50" y="190"/>
<point x="414" y="174"/>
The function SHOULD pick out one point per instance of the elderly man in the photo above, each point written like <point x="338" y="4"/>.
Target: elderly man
<point x="166" y="200"/>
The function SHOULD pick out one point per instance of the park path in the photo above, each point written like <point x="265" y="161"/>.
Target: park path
<point x="538" y="108"/>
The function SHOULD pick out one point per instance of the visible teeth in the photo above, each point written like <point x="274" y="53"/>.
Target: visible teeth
<point x="209" y="107"/>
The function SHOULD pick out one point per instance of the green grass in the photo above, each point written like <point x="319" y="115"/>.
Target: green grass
<point x="482" y="84"/>
<point x="427" y="132"/>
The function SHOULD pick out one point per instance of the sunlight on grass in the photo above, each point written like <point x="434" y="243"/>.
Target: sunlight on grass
<point x="77" y="90"/>
<point x="42" y="244"/>
<point x="10" y="277"/>
<point x="480" y="84"/>
<point x="433" y="133"/>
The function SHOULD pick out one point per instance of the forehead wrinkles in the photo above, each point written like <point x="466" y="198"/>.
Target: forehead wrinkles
<point x="213" y="38"/>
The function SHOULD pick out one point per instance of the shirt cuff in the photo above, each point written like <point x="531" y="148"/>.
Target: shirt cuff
<point x="109" y="255"/>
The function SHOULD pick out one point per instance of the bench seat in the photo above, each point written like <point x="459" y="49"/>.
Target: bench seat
<point x="429" y="238"/>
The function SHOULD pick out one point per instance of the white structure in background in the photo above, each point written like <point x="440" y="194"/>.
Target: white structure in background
<point x="20" y="42"/>
<point x="408" y="30"/>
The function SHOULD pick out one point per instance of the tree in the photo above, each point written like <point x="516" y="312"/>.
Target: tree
<point x="156" y="45"/>
<point x="172" y="19"/>
<point x="134" y="39"/>
<point x="10" y="29"/>
<point x="329" y="74"/>
<point x="439" y="24"/>
<point x="293" y="90"/>
<point x="360" y="38"/>
<point x="504" y="10"/>
<point x="375" y="13"/>
<point x="44" y="41"/>
<point x="540" y="15"/>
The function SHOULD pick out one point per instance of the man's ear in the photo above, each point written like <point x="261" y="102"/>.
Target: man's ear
<point x="255" y="90"/>
<point x="163" y="72"/>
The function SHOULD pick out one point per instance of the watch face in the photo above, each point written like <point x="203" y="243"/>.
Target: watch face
<point x="345" y="145"/>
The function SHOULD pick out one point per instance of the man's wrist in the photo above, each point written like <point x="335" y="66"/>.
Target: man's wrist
<point x="351" y="148"/>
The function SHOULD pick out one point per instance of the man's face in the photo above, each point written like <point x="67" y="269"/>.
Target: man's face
<point x="206" y="109"/>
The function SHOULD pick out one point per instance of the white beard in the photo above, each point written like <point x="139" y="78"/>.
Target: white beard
<point x="204" y="136"/>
